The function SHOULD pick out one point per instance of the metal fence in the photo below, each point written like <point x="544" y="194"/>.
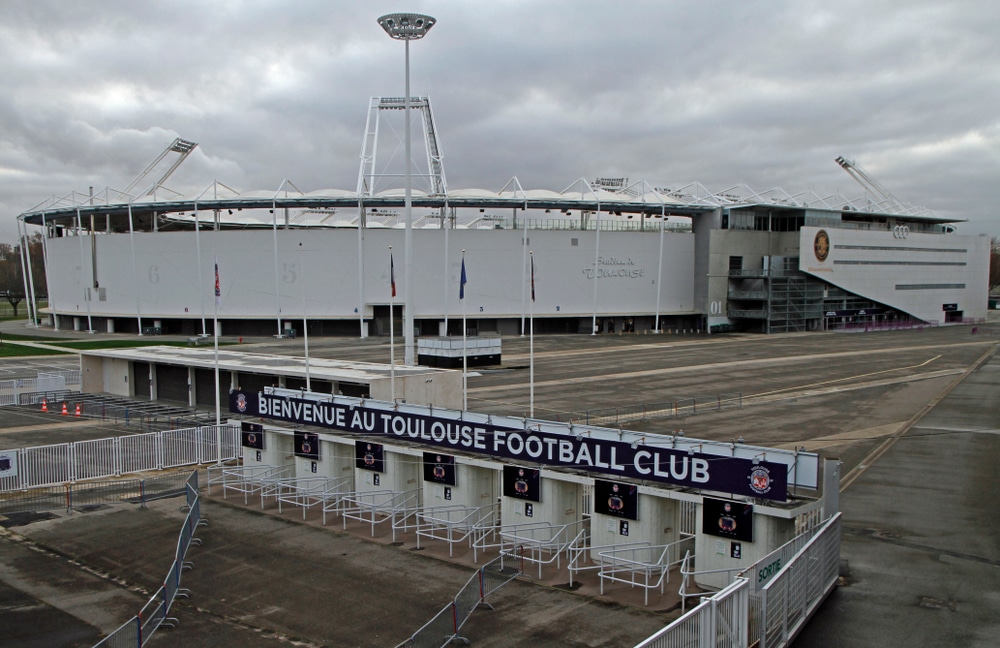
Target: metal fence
<point x="667" y="409"/>
<point x="13" y="391"/>
<point x="446" y="624"/>
<point x="790" y="598"/>
<point x="719" y="621"/>
<point x="677" y="408"/>
<point x="62" y="463"/>
<point x="138" y="630"/>
<point x="76" y="496"/>
<point x="767" y="603"/>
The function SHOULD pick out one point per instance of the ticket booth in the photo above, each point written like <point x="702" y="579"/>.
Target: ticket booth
<point x="451" y="483"/>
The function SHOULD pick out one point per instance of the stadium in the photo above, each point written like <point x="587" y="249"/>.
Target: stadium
<point x="607" y="255"/>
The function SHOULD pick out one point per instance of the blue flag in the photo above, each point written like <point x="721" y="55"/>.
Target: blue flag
<point x="462" y="282"/>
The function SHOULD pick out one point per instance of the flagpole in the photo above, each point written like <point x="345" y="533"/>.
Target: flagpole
<point x="215" y="334"/>
<point x="392" y="334"/>
<point x="305" y="321"/>
<point x="531" y="341"/>
<point x="465" y="357"/>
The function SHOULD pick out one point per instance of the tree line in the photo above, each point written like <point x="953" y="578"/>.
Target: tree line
<point x="12" y="284"/>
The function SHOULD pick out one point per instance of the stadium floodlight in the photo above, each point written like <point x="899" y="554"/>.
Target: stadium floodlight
<point x="407" y="27"/>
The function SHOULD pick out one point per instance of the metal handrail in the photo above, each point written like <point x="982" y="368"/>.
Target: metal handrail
<point x="540" y="539"/>
<point x="438" y="524"/>
<point x="659" y="567"/>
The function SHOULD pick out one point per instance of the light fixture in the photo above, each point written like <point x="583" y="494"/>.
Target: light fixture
<point x="407" y="27"/>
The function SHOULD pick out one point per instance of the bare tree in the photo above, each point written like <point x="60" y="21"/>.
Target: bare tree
<point x="994" y="264"/>
<point x="12" y="285"/>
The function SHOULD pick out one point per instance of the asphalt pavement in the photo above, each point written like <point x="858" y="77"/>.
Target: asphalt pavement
<point x="913" y="416"/>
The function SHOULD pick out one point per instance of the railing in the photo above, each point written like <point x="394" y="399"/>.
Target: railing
<point x="580" y="554"/>
<point x="666" y="409"/>
<point x="446" y="624"/>
<point x="789" y="599"/>
<point x="61" y="463"/>
<point x="374" y="507"/>
<point x="17" y="391"/>
<point x="310" y="491"/>
<point x="75" y="496"/>
<point x="453" y="524"/>
<point x="248" y="480"/>
<point x="544" y="542"/>
<point x="155" y="614"/>
<point x="719" y="621"/>
<point x="645" y="567"/>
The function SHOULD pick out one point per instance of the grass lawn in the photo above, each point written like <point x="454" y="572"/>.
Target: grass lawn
<point x="15" y="350"/>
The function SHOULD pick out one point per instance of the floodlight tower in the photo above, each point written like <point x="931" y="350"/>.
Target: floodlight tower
<point x="407" y="27"/>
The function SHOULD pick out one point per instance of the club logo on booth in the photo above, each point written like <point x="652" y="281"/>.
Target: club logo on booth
<point x="760" y="480"/>
<point x="241" y="403"/>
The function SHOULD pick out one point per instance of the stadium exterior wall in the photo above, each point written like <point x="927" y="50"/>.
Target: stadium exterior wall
<point x="317" y="271"/>
<point x="924" y="275"/>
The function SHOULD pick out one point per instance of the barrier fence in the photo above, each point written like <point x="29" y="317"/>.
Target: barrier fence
<point x="58" y="464"/>
<point x="79" y="495"/>
<point x="446" y="624"/>
<point x="768" y="603"/>
<point x="155" y="614"/>
<point x="788" y="601"/>
<point x="667" y="409"/>
<point x="718" y="621"/>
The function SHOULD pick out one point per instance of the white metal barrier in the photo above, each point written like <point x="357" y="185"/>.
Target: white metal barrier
<point x="307" y="492"/>
<point x="55" y="464"/>
<point x="248" y="480"/>
<point x="580" y="554"/>
<point x="719" y="621"/>
<point x="453" y="524"/>
<point x="645" y="567"/>
<point x="541" y="542"/>
<point x="374" y="507"/>
<point x="789" y="599"/>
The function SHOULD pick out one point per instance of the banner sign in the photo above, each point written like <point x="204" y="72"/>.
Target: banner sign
<point x="252" y="435"/>
<point x="727" y="519"/>
<point x="439" y="468"/>
<point x="307" y="445"/>
<point x="739" y="476"/>
<point x="369" y="456"/>
<point x="522" y="483"/>
<point x="619" y="500"/>
<point x="8" y="463"/>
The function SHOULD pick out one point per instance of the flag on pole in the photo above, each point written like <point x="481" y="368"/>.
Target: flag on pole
<point x="392" y="275"/>
<point x="218" y="289"/>
<point x="532" y="277"/>
<point x="462" y="281"/>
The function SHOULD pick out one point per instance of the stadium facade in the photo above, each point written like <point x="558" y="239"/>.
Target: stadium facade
<point x="607" y="255"/>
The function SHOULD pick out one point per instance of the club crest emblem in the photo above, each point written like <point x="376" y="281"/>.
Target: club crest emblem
<point x="760" y="480"/>
<point x="821" y="245"/>
<point x="241" y="402"/>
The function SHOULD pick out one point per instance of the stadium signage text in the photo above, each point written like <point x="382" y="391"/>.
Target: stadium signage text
<point x="614" y="267"/>
<point x="766" y="480"/>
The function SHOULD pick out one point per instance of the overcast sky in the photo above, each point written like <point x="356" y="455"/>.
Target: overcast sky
<point x="721" y="92"/>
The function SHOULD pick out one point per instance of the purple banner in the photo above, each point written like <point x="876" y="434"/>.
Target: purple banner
<point x="763" y="479"/>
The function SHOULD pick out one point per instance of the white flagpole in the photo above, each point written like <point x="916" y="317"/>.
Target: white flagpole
<point x="215" y="333"/>
<point x="531" y="341"/>
<point x="392" y="334"/>
<point x="465" y="358"/>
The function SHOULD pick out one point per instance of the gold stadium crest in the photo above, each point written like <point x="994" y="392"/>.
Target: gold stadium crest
<point x="821" y="245"/>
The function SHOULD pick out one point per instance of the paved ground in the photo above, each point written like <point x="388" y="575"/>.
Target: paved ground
<point x="920" y="538"/>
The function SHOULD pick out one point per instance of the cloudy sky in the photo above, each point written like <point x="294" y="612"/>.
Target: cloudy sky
<point x="762" y="92"/>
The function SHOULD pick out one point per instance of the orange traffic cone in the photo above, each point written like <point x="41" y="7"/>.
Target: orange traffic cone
<point x="65" y="411"/>
<point x="45" y="405"/>
<point x="77" y="410"/>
